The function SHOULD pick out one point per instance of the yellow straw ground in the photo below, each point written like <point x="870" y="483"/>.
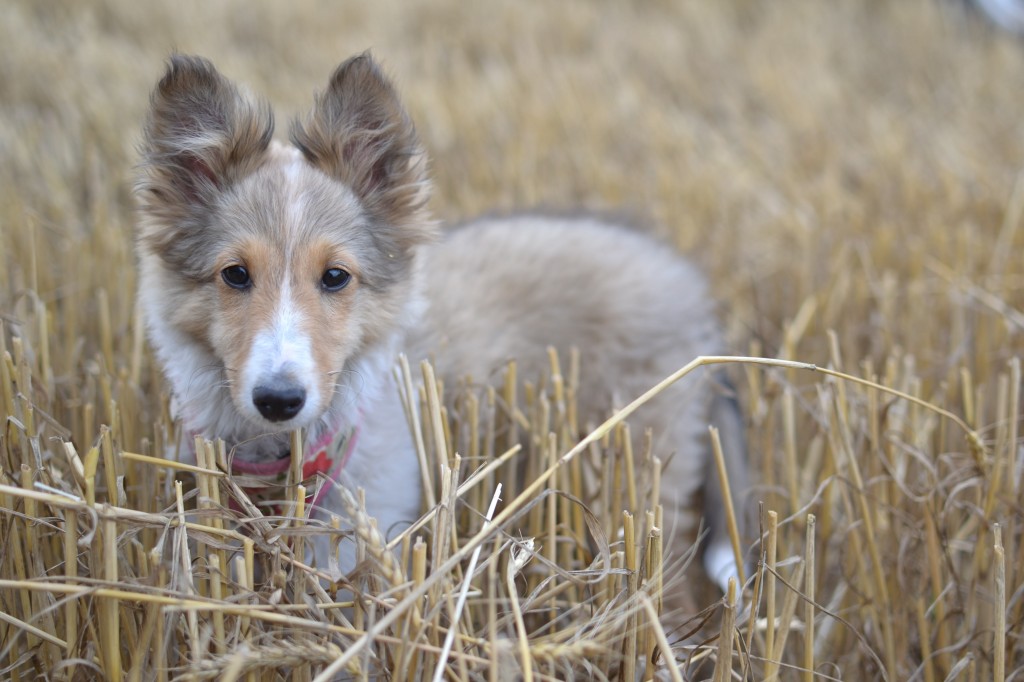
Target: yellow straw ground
<point x="848" y="174"/>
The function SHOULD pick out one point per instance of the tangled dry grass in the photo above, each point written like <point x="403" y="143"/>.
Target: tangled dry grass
<point x="849" y="174"/>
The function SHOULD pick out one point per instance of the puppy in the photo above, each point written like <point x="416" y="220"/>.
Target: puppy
<point x="279" y="282"/>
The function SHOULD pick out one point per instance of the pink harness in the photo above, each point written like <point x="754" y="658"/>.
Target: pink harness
<point x="326" y="457"/>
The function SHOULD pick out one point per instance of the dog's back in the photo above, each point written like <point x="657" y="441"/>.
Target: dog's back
<point x="508" y="288"/>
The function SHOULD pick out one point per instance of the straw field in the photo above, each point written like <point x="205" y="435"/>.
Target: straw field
<point x="848" y="175"/>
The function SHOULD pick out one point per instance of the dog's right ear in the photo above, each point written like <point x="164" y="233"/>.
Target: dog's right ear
<point x="201" y="135"/>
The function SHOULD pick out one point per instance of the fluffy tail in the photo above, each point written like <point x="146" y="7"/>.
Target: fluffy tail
<point x="719" y="558"/>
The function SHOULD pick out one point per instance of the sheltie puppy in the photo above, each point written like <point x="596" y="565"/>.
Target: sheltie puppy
<point x="279" y="281"/>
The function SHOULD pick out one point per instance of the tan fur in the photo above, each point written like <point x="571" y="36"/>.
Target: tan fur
<point x="243" y="315"/>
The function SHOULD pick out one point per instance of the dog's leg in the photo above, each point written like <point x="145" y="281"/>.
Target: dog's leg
<point x="719" y="559"/>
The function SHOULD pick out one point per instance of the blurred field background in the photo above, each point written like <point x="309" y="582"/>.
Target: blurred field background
<point x="848" y="174"/>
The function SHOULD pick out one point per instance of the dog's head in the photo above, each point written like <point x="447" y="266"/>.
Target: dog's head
<point x="275" y="265"/>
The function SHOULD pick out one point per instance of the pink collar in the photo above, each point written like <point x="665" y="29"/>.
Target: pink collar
<point x="325" y="457"/>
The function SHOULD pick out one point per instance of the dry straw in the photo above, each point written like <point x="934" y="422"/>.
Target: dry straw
<point x="92" y="582"/>
<point x="854" y="192"/>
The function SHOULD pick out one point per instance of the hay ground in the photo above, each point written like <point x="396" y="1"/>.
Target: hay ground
<point x="849" y="175"/>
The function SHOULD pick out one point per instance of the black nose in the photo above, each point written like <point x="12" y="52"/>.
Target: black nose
<point x="278" y="404"/>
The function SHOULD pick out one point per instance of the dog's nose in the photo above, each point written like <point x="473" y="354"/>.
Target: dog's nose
<point x="278" y="403"/>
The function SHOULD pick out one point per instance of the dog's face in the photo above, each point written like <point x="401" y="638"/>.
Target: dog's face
<point x="277" y="264"/>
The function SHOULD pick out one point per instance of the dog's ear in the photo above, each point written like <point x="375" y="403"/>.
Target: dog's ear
<point x="359" y="133"/>
<point x="202" y="134"/>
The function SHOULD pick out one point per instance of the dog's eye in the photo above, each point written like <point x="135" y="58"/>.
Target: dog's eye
<point x="335" y="279"/>
<point x="236" y="277"/>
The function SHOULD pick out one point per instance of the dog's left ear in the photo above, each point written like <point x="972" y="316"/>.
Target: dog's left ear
<point x="359" y="133"/>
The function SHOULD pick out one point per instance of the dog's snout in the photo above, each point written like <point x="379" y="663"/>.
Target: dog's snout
<point x="278" y="403"/>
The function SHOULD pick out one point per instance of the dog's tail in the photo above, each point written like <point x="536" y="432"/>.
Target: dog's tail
<point x="719" y="558"/>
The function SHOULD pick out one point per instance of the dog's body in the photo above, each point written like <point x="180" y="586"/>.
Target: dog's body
<point x="280" y="282"/>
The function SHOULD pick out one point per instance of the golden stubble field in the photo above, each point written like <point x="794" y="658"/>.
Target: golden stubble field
<point x="849" y="175"/>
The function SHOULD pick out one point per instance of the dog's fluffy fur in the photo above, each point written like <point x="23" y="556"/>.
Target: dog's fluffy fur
<point x="348" y="194"/>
